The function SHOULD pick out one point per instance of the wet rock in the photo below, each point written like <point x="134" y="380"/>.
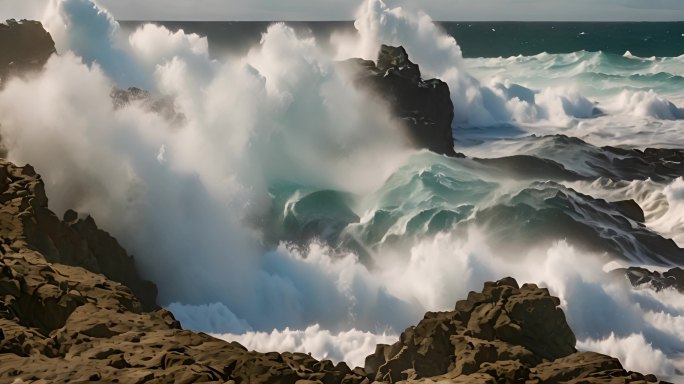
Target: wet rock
<point x="630" y="209"/>
<point x="424" y="106"/>
<point x="641" y="277"/>
<point x="163" y="106"/>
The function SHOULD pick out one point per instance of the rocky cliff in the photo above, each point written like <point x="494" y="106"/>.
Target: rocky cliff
<point x="424" y="106"/>
<point x="65" y="316"/>
<point x="24" y="45"/>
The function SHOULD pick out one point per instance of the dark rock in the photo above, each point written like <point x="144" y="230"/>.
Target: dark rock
<point x="630" y="209"/>
<point x="164" y="106"/>
<point x="531" y="168"/>
<point x="658" y="164"/>
<point x="548" y="211"/>
<point x="424" y="105"/>
<point x="26" y="46"/>
<point x="641" y="277"/>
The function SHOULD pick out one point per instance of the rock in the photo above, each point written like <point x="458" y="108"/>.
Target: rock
<point x="504" y="334"/>
<point x="163" y="106"/>
<point x="25" y="218"/>
<point x="630" y="209"/>
<point x="641" y="277"/>
<point x="63" y="318"/>
<point x="580" y="366"/>
<point x="424" y="106"/>
<point x="658" y="164"/>
<point x="26" y="46"/>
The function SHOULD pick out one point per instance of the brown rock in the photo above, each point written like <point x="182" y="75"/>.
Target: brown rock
<point x="26" y="45"/>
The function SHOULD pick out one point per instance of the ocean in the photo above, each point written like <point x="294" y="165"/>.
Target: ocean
<point x="275" y="203"/>
<point x="476" y="39"/>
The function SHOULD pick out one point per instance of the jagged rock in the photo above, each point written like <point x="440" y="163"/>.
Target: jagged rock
<point x="504" y="334"/>
<point x="27" y="223"/>
<point x="63" y="318"/>
<point x="640" y="277"/>
<point x="26" y="45"/>
<point x="424" y="105"/>
<point x="630" y="209"/>
<point x="164" y="106"/>
<point x="658" y="164"/>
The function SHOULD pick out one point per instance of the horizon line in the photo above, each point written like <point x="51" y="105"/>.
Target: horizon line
<point x="436" y="21"/>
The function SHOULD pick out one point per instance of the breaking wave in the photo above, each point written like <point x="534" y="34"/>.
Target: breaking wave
<point x="274" y="203"/>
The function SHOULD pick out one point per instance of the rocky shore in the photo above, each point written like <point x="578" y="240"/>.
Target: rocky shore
<point x="65" y="316"/>
<point x="74" y="308"/>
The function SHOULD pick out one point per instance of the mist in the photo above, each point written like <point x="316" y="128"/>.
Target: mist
<point x="192" y="199"/>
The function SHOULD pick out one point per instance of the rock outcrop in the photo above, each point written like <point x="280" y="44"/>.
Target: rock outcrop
<point x="424" y="105"/>
<point x="26" y="223"/>
<point x="164" y="106"/>
<point x="658" y="281"/>
<point x="504" y="334"/>
<point x="66" y="317"/>
<point x="25" y="45"/>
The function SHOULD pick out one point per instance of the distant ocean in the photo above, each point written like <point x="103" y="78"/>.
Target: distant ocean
<point x="478" y="39"/>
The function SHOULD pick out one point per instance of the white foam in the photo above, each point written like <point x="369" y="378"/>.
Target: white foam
<point x="350" y="346"/>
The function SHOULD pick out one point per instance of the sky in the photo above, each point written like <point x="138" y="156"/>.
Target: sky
<point x="458" y="10"/>
<point x="443" y="10"/>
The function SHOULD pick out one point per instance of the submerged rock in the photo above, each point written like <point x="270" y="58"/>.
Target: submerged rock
<point x="424" y="106"/>
<point x="25" y="45"/>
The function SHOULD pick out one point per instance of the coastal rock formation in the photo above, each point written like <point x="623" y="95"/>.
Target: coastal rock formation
<point x="27" y="223"/>
<point x="658" y="164"/>
<point x="164" y="106"/>
<point x="504" y="334"/>
<point x="658" y="281"/>
<point x="64" y="317"/>
<point x="424" y="105"/>
<point x="26" y="45"/>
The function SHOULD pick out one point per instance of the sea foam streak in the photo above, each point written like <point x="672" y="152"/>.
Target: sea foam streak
<point x="194" y="199"/>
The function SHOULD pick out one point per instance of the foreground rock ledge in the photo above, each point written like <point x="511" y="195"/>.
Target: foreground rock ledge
<point x="65" y="318"/>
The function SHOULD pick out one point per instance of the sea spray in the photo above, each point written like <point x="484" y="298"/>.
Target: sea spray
<point x="282" y="115"/>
